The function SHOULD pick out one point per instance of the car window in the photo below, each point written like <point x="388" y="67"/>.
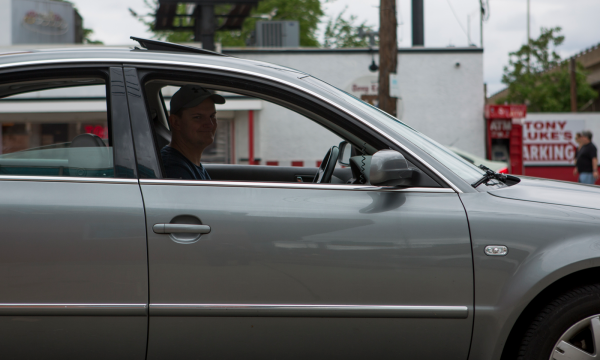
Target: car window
<point x="451" y="160"/>
<point x="262" y="135"/>
<point x="56" y="132"/>
<point x="281" y="136"/>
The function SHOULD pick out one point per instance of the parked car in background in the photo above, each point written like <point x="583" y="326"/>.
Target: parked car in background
<point x="407" y="252"/>
<point x="497" y="166"/>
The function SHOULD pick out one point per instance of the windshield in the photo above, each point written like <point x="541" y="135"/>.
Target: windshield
<point x="452" y="161"/>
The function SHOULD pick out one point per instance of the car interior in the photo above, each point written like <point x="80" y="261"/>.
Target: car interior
<point x="345" y="163"/>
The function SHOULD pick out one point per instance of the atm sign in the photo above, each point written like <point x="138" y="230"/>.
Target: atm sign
<point x="500" y="128"/>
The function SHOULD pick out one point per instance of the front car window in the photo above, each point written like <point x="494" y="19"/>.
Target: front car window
<point x="290" y="143"/>
<point x="455" y="163"/>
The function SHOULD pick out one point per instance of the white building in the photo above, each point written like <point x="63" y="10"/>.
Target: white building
<point x="441" y="93"/>
<point x="39" y="22"/>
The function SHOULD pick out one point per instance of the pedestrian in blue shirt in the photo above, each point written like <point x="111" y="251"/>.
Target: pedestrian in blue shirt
<point x="193" y="125"/>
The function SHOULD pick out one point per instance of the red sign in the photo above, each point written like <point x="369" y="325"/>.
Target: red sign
<point x="505" y="111"/>
<point x="550" y="142"/>
<point x="549" y="153"/>
<point x="99" y="130"/>
<point x="500" y="128"/>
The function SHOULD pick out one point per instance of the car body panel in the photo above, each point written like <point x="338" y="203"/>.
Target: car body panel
<point x="73" y="253"/>
<point x="65" y="243"/>
<point x="545" y="243"/>
<point x="550" y="228"/>
<point x="73" y="337"/>
<point x="307" y="247"/>
<point x="552" y="192"/>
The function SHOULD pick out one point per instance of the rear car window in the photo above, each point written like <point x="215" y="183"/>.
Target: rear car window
<point x="56" y="132"/>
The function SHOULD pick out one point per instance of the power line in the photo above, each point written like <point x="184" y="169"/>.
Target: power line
<point x="457" y="20"/>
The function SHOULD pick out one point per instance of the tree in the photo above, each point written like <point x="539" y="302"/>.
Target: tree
<point x="87" y="33"/>
<point x="171" y="36"/>
<point x="87" y="37"/>
<point x="342" y="33"/>
<point x="537" y="76"/>
<point x="306" y="12"/>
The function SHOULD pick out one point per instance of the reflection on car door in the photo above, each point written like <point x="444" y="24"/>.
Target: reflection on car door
<point x="304" y="270"/>
<point x="73" y="259"/>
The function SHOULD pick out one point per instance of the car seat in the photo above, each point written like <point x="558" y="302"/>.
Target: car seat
<point x="88" y="155"/>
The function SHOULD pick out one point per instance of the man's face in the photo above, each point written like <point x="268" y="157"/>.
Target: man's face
<point x="196" y="126"/>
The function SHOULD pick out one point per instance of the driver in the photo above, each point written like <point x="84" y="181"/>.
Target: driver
<point x="193" y="126"/>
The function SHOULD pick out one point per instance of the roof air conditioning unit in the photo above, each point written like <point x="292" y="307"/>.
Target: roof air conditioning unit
<point x="277" y="34"/>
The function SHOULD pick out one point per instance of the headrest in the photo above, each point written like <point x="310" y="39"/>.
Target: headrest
<point x="87" y="140"/>
<point x="88" y="154"/>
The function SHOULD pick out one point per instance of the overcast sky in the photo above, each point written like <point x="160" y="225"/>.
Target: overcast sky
<point x="505" y="31"/>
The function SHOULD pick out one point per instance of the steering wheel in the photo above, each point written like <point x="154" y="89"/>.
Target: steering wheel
<point x="325" y="171"/>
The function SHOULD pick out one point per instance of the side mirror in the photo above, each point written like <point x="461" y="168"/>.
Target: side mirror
<point x="345" y="153"/>
<point x="389" y="168"/>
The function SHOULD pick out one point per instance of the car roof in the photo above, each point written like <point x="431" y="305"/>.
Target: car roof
<point x="95" y="54"/>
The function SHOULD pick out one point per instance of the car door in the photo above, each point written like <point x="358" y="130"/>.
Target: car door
<point x="242" y="269"/>
<point x="73" y="264"/>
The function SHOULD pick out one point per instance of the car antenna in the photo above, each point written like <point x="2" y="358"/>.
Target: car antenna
<point x="155" y="45"/>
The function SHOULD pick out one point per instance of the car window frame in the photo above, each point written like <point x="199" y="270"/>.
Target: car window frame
<point x="116" y="106"/>
<point x="313" y="105"/>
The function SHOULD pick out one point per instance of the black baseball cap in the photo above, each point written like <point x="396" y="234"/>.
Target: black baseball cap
<point x="193" y="95"/>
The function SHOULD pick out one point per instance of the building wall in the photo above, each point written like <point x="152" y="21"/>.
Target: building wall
<point x="42" y="22"/>
<point x="439" y="99"/>
<point x="591" y="120"/>
<point x="286" y="137"/>
<point x="36" y="22"/>
<point x="5" y="22"/>
<point x="445" y="101"/>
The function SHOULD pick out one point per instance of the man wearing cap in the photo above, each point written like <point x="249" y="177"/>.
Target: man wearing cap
<point x="193" y="125"/>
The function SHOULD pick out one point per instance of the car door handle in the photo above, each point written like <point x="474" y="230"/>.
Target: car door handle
<point x="180" y="228"/>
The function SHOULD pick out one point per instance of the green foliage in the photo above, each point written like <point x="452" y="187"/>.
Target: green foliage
<point x="87" y="33"/>
<point x="537" y="76"/>
<point x="148" y="19"/>
<point x="306" y="12"/>
<point x="342" y="33"/>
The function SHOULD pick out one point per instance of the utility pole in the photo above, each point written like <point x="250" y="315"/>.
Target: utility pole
<point x="528" y="36"/>
<point x="484" y="15"/>
<point x="573" y="68"/>
<point x="388" y="53"/>
<point x="481" y="15"/>
<point x="469" y="29"/>
<point x="528" y="23"/>
<point x="204" y="30"/>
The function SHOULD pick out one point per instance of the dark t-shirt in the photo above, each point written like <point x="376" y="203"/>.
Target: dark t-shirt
<point x="178" y="166"/>
<point x="584" y="158"/>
